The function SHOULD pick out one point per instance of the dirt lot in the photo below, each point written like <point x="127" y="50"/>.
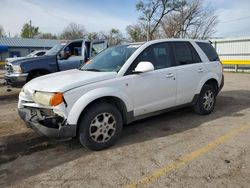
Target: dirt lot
<point x="176" y="149"/>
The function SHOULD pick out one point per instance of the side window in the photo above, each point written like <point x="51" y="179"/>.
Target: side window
<point x="73" y="49"/>
<point x="185" y="53"/>
<point x="209" y="50"/>
<point x="158" y="54"/>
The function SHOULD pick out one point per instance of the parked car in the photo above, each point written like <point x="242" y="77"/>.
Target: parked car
<point x="35" y="53"/>
<point x="120" y="85"/>
<point x="61" y="57"/>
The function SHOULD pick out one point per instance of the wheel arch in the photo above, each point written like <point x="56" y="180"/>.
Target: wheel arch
<point x="32" y="73"/>
<point x="213" y="82"/>
<point x="115" y="101"/>
<point x="212" y="79"/>
<point x="112" y="96"/>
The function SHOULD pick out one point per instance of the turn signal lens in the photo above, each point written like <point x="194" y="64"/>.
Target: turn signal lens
<point x="56" y="99"/>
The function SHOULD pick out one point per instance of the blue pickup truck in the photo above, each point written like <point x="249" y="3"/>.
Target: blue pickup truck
<point x="61" y="57"/>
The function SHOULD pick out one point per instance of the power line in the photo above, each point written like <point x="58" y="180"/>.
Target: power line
<point x="242" y="18"/>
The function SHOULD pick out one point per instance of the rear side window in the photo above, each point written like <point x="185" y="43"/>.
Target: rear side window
<point x="185" y="53"/>
<point x="209" y="50"/>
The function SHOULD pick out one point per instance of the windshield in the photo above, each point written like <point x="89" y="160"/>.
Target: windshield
<point x="111" y="59"/>
<point x="55" y="49"/>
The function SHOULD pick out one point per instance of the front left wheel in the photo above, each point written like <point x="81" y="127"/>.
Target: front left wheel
<point x="100" y="126"/>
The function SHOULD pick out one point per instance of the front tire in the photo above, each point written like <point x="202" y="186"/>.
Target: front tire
<point x="206" y="100"/>
<point x="34" y="75"/>
<point x="100" y="126"/>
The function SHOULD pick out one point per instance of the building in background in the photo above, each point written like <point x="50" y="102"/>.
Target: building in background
<point x="234" y="52"/>
<point x="19" y="47"/>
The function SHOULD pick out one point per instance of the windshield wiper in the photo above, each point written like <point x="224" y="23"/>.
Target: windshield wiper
<point x="95" y="70"/>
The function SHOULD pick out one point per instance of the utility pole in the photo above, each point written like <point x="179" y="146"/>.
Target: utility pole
<point x="148" y="26"/>
<point x="30" y="34"/>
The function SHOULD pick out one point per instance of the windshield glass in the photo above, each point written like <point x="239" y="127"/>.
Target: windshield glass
<point x="111" y="59"/>
<point x="55" y="49"/>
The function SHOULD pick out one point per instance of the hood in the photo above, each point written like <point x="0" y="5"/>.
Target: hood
<point x="66" y="80"/>
<point x="21" y="61"/>
<point x="10" y="59"/>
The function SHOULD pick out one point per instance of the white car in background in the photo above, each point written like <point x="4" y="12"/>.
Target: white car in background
<point x="35" y="53"/>
<point x="120" y="85"/>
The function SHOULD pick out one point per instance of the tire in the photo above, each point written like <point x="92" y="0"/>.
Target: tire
<point x="34" y="75"/>
<point x="96" y="132"/>
<point x="206" y="100"/>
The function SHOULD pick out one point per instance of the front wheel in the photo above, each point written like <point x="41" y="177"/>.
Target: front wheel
<point x="206" y="101"/>
<point x="100" y="126"/>
<point x="34" y="75"/>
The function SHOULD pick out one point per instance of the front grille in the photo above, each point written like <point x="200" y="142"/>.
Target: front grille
<point x="8" y="68"/>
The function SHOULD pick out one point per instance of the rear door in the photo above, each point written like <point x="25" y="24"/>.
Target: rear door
<point x="92" y="48"/>
<point x="190" y="71"/>
<point x="97" y="47"/>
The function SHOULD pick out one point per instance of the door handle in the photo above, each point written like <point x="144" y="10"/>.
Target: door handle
<point x="169" y="75"/>
<point x="200" y="70"/>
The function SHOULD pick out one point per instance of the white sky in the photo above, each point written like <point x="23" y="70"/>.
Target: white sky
<point x="54" y="15"/>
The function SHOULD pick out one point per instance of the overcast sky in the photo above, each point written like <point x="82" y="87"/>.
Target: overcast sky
<point x="102" y="15"/>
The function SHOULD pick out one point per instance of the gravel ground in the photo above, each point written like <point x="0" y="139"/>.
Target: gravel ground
<point x="146" y="146"/>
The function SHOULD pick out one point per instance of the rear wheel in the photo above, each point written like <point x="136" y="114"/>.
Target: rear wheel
<point x="100" y="126"/>
<point x="206" y="101"/>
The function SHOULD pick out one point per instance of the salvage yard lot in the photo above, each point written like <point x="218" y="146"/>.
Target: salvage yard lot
<point x="175" y="149"/>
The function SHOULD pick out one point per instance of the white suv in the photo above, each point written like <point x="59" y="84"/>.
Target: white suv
<point x="120" y="85"/>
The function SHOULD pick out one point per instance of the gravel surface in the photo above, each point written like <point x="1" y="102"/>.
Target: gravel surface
<point x="28" y="160"/>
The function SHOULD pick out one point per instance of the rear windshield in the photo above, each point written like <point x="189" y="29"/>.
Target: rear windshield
<point x="209" y="50"/>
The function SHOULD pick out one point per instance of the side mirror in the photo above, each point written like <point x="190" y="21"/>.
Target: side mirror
<point x="61" y="55"/>
<point x="144" y="66"/>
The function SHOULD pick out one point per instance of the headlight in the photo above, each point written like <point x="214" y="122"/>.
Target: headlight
<point x="16" y="69"/>
<point x="48" y="99"/>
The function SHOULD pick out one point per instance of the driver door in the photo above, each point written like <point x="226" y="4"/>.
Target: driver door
<point x="155" y="90"/>
<point x="73" y="57"/>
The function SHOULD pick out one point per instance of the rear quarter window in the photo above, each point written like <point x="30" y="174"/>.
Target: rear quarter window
<point x="209" y="50"/>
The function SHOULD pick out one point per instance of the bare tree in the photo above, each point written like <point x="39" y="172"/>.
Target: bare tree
<point x="73" y="31"/>
<point x="114" y="37"/>
<point x="192" y="21"/>
<point x="47" y="36"/>
<point x="153" y="11"/>
<point x="136" y="33"/>
<point x="94" y="36"/>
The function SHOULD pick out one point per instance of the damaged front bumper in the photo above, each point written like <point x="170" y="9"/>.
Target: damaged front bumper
<point x="52" y="126"/>
<point x="47" y="121"/>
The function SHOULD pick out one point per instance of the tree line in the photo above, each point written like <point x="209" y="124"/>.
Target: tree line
<point x="157" y="19"/>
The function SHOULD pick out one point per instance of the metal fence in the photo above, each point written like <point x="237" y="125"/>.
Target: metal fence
<point x="234" y="53"/>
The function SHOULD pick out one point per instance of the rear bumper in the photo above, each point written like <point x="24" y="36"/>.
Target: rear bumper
<point x="16" y="80"/>
<point x="51" y="127"/>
